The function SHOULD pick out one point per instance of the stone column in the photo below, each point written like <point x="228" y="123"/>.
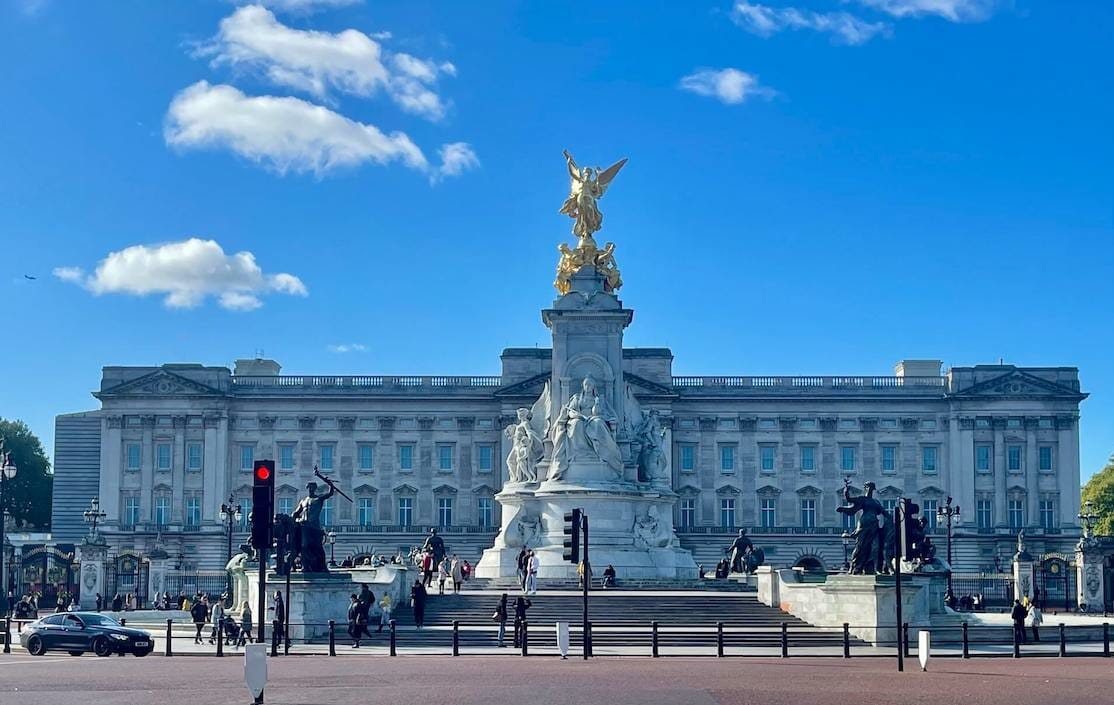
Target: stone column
<point x="961" y="434"/>
<point x="147" y="471"/>
<point x="213" y="471"/>
<point x="1032" y="472"/>
<point x="424" y="513"/>
<point x="466" y="500"/>
<point x="1067" y="468"/>
<point x="92" y="555"/>
<point x="156" y="576"/>
<point x="346" y="463"/>
<point x="178" y="471"/>
<point x="1001" y="518"/>
<point x="1024" y="580"/>
<point x="112" y="468"/>
<point x="1089" y="576"/>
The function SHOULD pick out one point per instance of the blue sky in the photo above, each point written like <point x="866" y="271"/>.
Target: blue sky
<point x="819" y="187"/>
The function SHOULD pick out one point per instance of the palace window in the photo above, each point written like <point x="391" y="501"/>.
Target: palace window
<point x="1016" y="514"/>
<point x="366" y="452"/>
<point x="133" y="456"/>
<point x="367" y="511"/>
<point x="982" y="458"/>
<point x="245" y="513"/>
<point x="286" y="457"/>
<point x="247" y="458"/>
<point x="286" y="505"/>
<point x="808" y="458"/>
<point x="1013" y="458"/>
<point x="162" y="511"/>
<point x="193" y="456"/>
<point x="984" y="514"/>
<point x="928" y="511"/>
<point x="928" y="459"/>
<point x="193" y="511"/>
<point x="888" y="459"/>
<point x="727" y="513"/>
<point x="1045" y="457"/>
<point x="486" y="457"/>
<point x="688" y="458"/>
<point x="406" y="458"/>
<point x="1048" y="513"/>
<point x="768" y="512"/>
<point x="889" y="505"/>
<point x="727" y="458"/>
<point x="484" y="513"/>
<point x="847" y="458"/>
<point x="327" y="457"/>
<point x="808" y="513"/>
<point x="162" y="456"/>
<point x="767" y="454"/>
<point x="131" y="511"/>
<point x="327" y="513"/>
<point x="848" y="522"/>
<point x="444" y="511"/>
<point x="445" y="459"/>
<point x="688" y="512"/>
<point x="405" y="511"/>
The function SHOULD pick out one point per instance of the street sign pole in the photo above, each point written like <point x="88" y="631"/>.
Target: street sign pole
<point x="586" y="582"/>
<point x="899" y="522"/>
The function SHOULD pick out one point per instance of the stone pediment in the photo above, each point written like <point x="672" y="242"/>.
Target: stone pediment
<point x="286" y="488"/>
<point x="688" y="491"/>
<point x="365" y="488"/>
<point x="531" y="386"/>
<point x="644" y="386"/>
<point x="162" y="383"/>
<point x="444" y="489"/>
<point x="931" y="491"/>
<point x="889" y="491"/>
<point x="1018" y="384"/>
<point x="405" y="489"/>
<point x="483" y="490"/>
<point x="728" y="490"/>
<point x="809" y="490"/>
<point x="768" y="490"/>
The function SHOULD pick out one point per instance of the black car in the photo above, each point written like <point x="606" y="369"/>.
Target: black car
<point x="78" y="632"/>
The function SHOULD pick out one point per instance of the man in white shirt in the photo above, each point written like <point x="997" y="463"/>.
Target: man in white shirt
<point x="532" y="564"/>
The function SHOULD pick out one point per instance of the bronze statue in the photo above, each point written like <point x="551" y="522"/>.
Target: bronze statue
<point x="737" y="550"/>
<point x="867" y="533"/>
<point x="311" y="537"/>
<point x="436" y="545"/>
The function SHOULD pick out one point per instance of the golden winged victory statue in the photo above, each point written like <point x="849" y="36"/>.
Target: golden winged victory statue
<point x="587" y="186"/>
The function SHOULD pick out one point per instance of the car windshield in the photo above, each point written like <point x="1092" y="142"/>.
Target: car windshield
<point x="99" y="620"/>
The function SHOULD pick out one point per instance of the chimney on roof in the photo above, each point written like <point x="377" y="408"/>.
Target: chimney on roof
<point x="918" y="368"/>
<point x="256" y="367"/>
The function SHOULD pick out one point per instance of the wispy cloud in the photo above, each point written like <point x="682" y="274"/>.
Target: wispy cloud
<point x="347" y="347"/>
<point x="456" y="158"/>
<point x="844" y="27"/>
<point x="952" y="10"/>
<point x="727" y="85"/>
<point x="301" y="6"/>
<point x="321" y="63"/>
<point x="186" y="272"/>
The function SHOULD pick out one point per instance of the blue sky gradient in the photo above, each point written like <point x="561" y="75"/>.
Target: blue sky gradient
<point x="940" y="189"/>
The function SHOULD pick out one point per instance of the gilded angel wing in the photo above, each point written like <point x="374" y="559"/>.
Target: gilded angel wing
<point x="608" y="174"/>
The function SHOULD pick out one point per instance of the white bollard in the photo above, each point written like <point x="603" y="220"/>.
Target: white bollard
<point x="563" y="639"/>
<point x="255" y="669"/>
<point x="924" y="645"/>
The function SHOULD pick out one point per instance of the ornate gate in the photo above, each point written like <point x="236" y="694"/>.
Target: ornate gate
<point x="127" y="573"/>
<point x="1056" y="582"/>
<point x="48" y="572"/>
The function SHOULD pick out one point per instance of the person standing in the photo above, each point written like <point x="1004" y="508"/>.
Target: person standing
<point x="442" y="575"/>
<point x="100" y="602"/>
<point x="117" y="602"/>
<point x="355" y="620"/>
<point x="216" y="619"/>
<point x="1018" y="614"/>
<point x="200" y="614"/>
<point x="280" y="616"/>
<point x="457" y="573"/>
<point x="521" y="604"/>
<point x="501" y="618"/>
<point x="246" y="625"/>
<point x="520" y="564"/>
<point x="418" y="596"/>
<point x="427" y="567"/>
<point x="385" y="606"/>
<point x="1036" y="619"/>
<point x="532" y="565"/>
<point x="367" y="599"/>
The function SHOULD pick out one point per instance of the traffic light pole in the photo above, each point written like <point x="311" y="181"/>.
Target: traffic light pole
<point x="585" y="636"/>
<point x="899" y="522"/>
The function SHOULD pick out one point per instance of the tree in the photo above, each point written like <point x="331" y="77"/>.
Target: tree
<point x="1100" y="490"/>
<point x="27" y="496"/>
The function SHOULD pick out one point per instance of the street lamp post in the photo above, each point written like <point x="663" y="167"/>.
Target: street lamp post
<point x="231" y="514"/>
<point x="7" y="472"/>
<point x="846" y="538"/>
<point x="948" y="513"/>
<point x="1087" y="518"/>
<point x="331" y="537"/>
<point x="93" y="515"/>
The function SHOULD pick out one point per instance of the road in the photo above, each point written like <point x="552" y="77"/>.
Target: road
<point x="509" y="680"/>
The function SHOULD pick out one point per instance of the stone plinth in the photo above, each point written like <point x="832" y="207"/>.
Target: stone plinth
<point x="1089" y="578"/>
<point x="316" y="598"/>
<point x="92" y="555"/>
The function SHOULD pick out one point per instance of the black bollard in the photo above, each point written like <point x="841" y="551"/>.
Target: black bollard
<point x="1106" y="639"/>
<point x="456" y="637"/>
<point x="846" y="640"/>
<point x="966" y="642"/>
<point x="7" y="634"/>
<point x="220" y="638"/>
<point x="275" y="637"/>
<point x="522" y="636"/>
<point x="905" y="638"/>
<point x="1063" y="640"/>
<point x="332" y="637"/>
<point x="785" y="640"/>
<point x="654" y="638"/>
<point x="391" y="624"/>
<point x="1016" y="644"/>
<point x="719" y="639"/>
<point x="169" y="636"/>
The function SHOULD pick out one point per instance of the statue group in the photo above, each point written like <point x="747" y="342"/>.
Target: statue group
<point x="299" y="537"/>
<point x="875" y="534"/>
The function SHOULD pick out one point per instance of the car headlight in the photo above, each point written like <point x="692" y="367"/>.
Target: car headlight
<point x="119" y="637"/>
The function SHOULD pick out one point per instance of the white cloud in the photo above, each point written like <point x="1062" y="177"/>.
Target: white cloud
<point x="186" y="272"/>
<point x="765" y="21"/>
<point x="952" y="10"/>
<point x="347" y="347"/>
<point x="282" y="133"/>
<point x="729" y="85"/>
<point x="304" y="6"/>
<point x="319" y="62"/>
<point x="456" y="158"/>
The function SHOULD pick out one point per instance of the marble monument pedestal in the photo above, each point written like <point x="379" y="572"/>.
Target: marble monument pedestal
<point x="630" y="526"/>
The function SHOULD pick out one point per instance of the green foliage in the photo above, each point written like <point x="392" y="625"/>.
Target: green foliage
<point x="27" y="496"/>
<point x="1100" y="490"/>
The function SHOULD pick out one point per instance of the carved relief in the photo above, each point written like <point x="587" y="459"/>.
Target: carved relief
<point x="346" y="423"/>
<point x="267" y="423"/>
<point x="307" y="423"/>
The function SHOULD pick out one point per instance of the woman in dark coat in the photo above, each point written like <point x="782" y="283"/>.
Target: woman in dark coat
<point x="521" y="604"/>
<point x="417" y="599"/>
<point x="356" y="620"/>
<point x="501" y="618"/>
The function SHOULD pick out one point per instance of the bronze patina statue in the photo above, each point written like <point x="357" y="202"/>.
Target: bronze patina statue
<point x="867" y="534"/>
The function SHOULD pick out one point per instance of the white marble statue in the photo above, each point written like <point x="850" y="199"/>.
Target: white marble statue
<point x="239" y="577"/>
<point x="584" y="430"/>
<point x="652" y="464"/>
<point x="523" y="530"/>
<point x="649" y="531"/>
<point x="527" y="448"/>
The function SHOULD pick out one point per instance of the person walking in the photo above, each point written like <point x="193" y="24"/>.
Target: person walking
<point x="367" y="599"/>
<point x="521" y="604"/>
<point x="200" y="613"/>
<point x="1036" y="619"/>
<point x="456" y="571"/>
<point x="355" y="620"/>
<point x="418" y="596"/>
<point x="500" y="616"/>
<point x="385" y="606"/>
<point x="117" y="602"/>
<point x="532" y="565"/>
<point x="246" y="626"/>
<point x="442" y="575"/>
<point x="427" y="567"/>
<point x="1018" y="614"/>
<point x="216" y="618"/>
<point x="280" y="616"/>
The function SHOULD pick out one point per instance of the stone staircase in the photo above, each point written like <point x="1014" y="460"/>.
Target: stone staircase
<point x="511" y="585"/>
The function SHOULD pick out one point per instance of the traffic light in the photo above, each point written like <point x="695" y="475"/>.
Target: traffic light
<point x="909" y="532"/>
<point x="262" y="503"/>
<point x="572" y="531"/>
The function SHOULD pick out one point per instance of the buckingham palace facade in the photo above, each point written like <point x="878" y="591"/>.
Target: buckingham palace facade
<point x="170" y="444"/>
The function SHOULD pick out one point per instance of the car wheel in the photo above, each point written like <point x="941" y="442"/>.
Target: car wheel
<point x="76" y="653"/>
<point x="35" y="646"/>
<point x="101" y="647"/>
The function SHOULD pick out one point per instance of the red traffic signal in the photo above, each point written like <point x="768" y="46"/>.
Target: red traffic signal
<point x="262" y="472"/>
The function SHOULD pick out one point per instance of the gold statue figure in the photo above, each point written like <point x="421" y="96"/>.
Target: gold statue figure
<point x="587" y="253"/>
<point x="588" y="186"/>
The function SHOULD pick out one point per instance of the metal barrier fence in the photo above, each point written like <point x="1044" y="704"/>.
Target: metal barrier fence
<point x="649" y="639"/>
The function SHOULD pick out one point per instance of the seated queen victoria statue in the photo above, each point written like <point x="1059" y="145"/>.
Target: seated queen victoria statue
<point x="583" y="431"/>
